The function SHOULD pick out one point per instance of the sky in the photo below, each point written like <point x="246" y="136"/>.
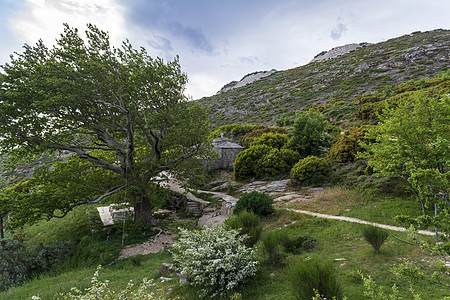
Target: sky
<point x="219" y="41"/>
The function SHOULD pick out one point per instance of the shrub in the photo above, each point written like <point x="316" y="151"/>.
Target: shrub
<point x="102" y="290"/>
<point x="375" y="236"/>
<point x="234" y="131"/>
<point x="297" y="243"/>
<point x="248" y="223"/>
<point x="272" y="245"/>
<point x="309" y="135"/>
<point x="248" y="138"/>
<point x="310" y="275"/>
<point x="246" y="162"/>
<point x="344" y="148"/>
<point x="312" y="170"/>
<point x="256" y="202"/>
<point x="17" y="263"/>
<point x="274" y="140"/>
<point x="215" y="260"/>
<point x="277" y="162"/>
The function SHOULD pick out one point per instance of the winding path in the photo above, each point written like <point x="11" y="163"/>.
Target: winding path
<point x="354" y="220"/>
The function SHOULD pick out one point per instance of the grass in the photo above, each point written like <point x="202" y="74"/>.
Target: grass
<point x="340" y="242"/>
<point x="342" y="201"/>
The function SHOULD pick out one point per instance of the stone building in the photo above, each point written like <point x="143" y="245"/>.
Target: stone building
<point x="228" y="150"/>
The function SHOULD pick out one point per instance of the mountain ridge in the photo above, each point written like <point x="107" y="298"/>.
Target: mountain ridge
<point x="344" y="77"/>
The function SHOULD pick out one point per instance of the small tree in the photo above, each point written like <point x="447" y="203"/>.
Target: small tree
<point x="309" y="135"/>
<point x="215" y="260"/>
<point x="411" y="138"/>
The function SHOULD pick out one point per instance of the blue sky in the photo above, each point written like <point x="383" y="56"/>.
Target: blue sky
<point x="222" y="40"/>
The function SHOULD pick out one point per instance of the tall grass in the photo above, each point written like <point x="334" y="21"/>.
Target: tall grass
<point x="309" y="275"/>
<point x="375" y="236"/>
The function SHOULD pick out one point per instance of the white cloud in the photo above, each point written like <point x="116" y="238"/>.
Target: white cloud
<point x="43" y="19"/>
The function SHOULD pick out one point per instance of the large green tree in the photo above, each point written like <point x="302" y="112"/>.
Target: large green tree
<point x="119" y="114"/>
<point x="412" y="141"/>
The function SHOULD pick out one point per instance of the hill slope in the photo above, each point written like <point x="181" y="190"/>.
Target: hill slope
<point x="361" y="71"/>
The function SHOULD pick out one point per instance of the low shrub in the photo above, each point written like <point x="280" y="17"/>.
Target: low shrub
<point x="344" y="148"/>
<point x="272" y="245"/>
<point x="248" y="138"/>
<point x="277" y="162"/>
<point x="274" y="140"/>
<point x="256" y="202"/>
<point x="18" y="263"/>
<point x="297" y="243"/>
<point x="247" y="161"/>
<point x="247" y="223"/>
<point x="311" y="277"/>
<point x="311" y="170"/>
<point x="375" y="236"/>
<point x="214" y="260"/>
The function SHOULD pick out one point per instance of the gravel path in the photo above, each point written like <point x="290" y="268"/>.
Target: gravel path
<point x="354" y="220"/>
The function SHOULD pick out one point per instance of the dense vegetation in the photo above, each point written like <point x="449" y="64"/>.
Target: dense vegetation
<point x="392" y="162"/>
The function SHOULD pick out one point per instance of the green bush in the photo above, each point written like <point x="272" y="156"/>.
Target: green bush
<point x="18" y="263"/>
<point x="248" y="138"/>
<point x="309" y="135"/>
<point x="272" y="245"/>
<point x="311" y="170"/>
<point x="309" y="275"/>
<point x="214" y="260"/>
<point x="256" y="202"/>
<point x="297" y="243"/>
<point x="234" y="131"/>
<point x="344" y="148"/>
<point x="375" y="236"/>
<point x="274" y="140"/>
<point x="246" y="162"/>
<point x="247" y="223"/>
<point x="277" y="162"/>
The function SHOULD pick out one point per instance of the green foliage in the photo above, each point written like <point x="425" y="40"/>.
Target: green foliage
<point x="274" y="140"/>
<point x="276" y="162"/>
<point x="102" y="290"/>
<point x="19" y="263"/>
<point x="215" y="260"/>
<point x="411" y="138"/>
<point x="311" y="170"/>
<point x="247" y="139"/>
<point x="308" y="276"/>
<point x="344" y="148"/>
<point x="247" y="161"/>
<point x="257" y="202"/>
<point x="283" y="120"/>
<point x="272" y="245"/>
<point x="309" y="135"/>
<point x="247" y="223"/>
<point x="375" y="236"/>
<point x="235" y="131"/>
<point x="118" y="110"/>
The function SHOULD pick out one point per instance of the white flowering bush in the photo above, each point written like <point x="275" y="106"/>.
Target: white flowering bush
<point x="215" y="260"/>
<point x="102" y="290"/>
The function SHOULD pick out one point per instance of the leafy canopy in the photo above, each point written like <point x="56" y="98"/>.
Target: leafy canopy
<point x="120" y="113"/>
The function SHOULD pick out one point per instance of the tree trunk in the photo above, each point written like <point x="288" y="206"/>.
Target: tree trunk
<point x="143" y="212"/>
<point x="2" y="234"/>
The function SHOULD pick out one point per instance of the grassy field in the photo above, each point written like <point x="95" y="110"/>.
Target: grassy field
<point x="340" y="242"/>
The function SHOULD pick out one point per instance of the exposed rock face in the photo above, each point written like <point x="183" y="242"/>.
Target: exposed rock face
<point x="249" y="78"/>
<point x="338" y="51"/>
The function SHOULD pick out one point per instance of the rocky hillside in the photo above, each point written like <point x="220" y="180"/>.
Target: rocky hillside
<point x="336" y="76"/>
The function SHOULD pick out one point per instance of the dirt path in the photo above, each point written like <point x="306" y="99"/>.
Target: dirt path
<point x="354" y="220"/>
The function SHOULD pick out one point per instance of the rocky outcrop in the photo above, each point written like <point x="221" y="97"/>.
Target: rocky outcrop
<point x="249" y="78"/>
